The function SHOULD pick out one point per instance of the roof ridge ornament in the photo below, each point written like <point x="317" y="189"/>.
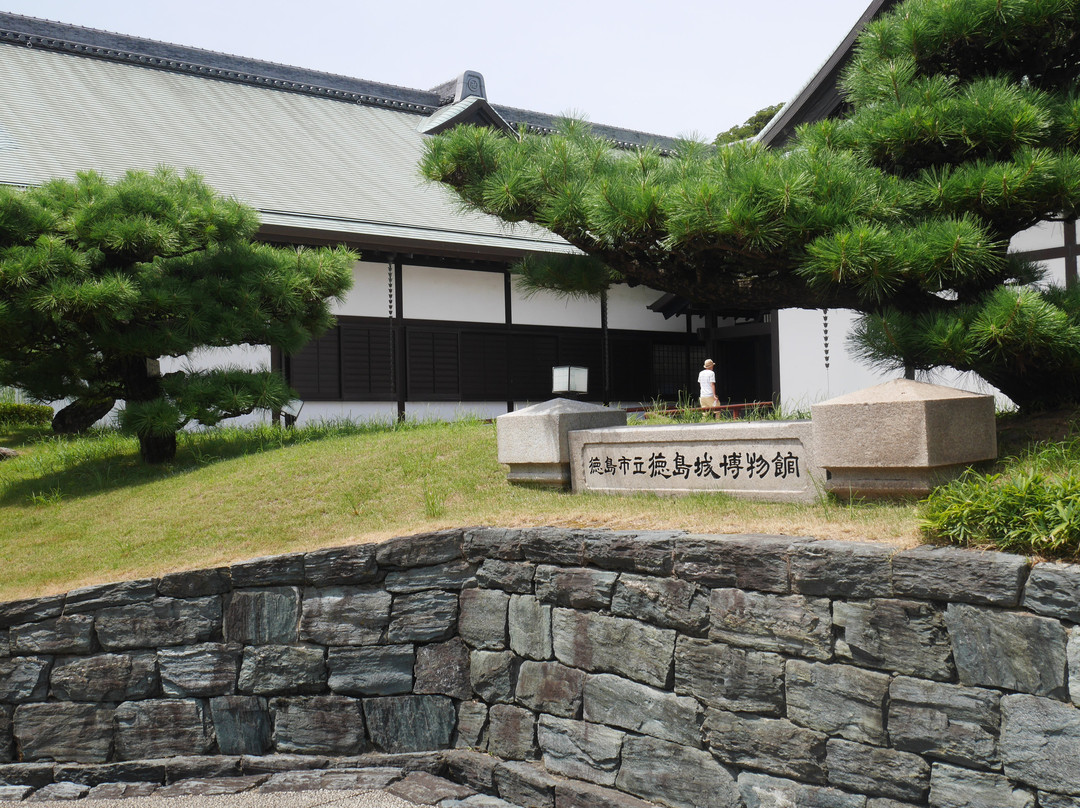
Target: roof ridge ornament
<point x="468" y="84"/>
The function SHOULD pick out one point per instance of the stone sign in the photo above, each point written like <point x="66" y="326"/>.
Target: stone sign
<point x="752" y="459"/>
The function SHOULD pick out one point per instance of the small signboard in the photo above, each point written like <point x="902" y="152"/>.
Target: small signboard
<point x="767" y="460"/>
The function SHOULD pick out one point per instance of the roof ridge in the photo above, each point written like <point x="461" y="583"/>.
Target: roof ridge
<point x="104" y="44"/>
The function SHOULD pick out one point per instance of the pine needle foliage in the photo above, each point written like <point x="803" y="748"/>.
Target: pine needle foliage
<point x="99" y="279"/>
<point x="962" y="129"/>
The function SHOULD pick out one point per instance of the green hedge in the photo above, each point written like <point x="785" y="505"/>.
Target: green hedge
<point x="1028" y="513"/>
<point x="21" y="414"/>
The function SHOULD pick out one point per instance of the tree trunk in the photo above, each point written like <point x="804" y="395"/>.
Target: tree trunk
<point x="157" y="448"/>
<point x="79" y="416"/>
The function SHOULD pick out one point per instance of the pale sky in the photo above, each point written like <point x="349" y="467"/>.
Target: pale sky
<point x="695" y="67"/>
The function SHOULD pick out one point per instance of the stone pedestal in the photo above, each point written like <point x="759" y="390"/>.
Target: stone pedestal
<point x="901" y="438"/>
<point x="533" y="442"/>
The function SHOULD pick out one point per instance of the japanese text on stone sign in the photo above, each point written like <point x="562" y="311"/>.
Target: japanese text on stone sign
<point x="750" y="465"/>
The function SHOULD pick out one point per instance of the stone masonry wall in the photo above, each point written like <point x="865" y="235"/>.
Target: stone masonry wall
<point x="597" y="669"/>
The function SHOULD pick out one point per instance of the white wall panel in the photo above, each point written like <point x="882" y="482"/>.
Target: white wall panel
<point x="549" y="309"/>
<point x="453" y="410"/>
<point x="432" y="293"/>
<point x="359" y="411"/>
<point x="249" y="357"/>
<point x="628" y="308"/>
<point x="369" y="296"/>
<point x="1040" y="237"/>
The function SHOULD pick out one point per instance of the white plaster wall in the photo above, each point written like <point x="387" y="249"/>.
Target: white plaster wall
<point x="544" y="308"/>
<point x="1040" y="237"/>
<point x="358" y="411"/>
<point x="628" y="308"/>
<point x="248" y="357"/>
<point x="453" y="294"/>
<point x="804" y="380"/>
<point x="369" y="296"/>
<point x="1055" y="272"/>
<point x="453" y="410"/>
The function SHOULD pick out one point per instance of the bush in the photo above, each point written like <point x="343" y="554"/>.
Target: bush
<point x="12" y="414"/>
<point x="1027" y="513"/>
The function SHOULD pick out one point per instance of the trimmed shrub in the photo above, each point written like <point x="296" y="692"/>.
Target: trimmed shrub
<point x="12" y="414"/>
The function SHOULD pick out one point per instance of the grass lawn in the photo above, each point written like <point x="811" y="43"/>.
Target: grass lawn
<point x="79" y="511"/>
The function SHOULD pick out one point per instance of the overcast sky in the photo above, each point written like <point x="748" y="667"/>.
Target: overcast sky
<point x="690" y="67"/>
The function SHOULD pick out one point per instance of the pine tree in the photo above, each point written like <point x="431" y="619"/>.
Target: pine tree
<point x="962" y="129"/>
<point x="99" y="280"/>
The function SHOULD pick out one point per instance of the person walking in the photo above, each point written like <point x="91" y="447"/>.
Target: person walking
<point x="707" y="383"/>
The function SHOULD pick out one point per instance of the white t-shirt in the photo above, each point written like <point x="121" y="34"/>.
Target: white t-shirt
<point x="707" y="380"/>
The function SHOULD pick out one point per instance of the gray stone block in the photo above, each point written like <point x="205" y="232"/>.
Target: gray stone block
<point x="534" y="442"/>
<point x="31" y="610"/>
<point x="24" y="679"/>
<point x="877" y="772"/>
<point x="34" y="775"/>
<point x="904" y="636"/>
<point x="197" y="671"/>
<point x="374" y="670"/>
<point x="629" y="705"/>
<point x="842" y="569"/>
<point x="420" y="550"/>
<point x="241" y="724"/>
<point x="550" y="687"/>
<point x="105" y="677"/>
<point x="789" y="624"/>
<point x="159" y="623"/>
<point x="183" y="768"/>
<point x="423" y="788"/>
<point x="5" y="645"/>
<point x="951" y="787"/>
<point x="602" y="644"/>
<point x="1053" y="590"/>
<point x="351" y="779"/>
<point x="201" y="788"/>
<point x="474" y="769"/>
<point x="576" y="749"/>
<point x="728" y="677"/>
<point x="902" y="437"/>
<point x="269" y="670"/>
<point x="525" y="785"/>
<point x="753" y="562"/>
<point x="945" y="721"/>
<point x="509" y="576"/>
<point x="529" y="622"/>
<point x="1047" y="800"/>
<point x="275" y="763"/>
<point x="195" y="583"/>
<point x="773" y="745"/>
<point x="93" y="774"/>
<point x="576" y="794"/>
<point x="341" y="615"/>
<point x="64" y="731"/>
<point x="162" y="728"/>
<point x="839" y="700"/>
<point x="7" y="744"/>
<point x="1072" y="654"/>
<point x="1040" y="743"/>
<point x="318" y="725"/>
<point x="577" y="588"/>
<point x="675" y="775"/>
<point x="958" y="575"/>
<point x="340" y="566"/>
<point x="642" y="552"/>
<point x="443" y="669"/>
<point x="14" y="793"/>
<point x="482" y="620"/>
<point x="410" y="723"/>
<point x="664" y="602"/>
<point x="269" y="571"/>
<point x="121" y="791"/>
<point x="1008" y="650"/>
<point x="472" y="725"/>
<point x="103" y="596"/>
<point x="763" y="791"/>
<point x="423" y="617"/>
<point x="453" y="575"/>
<point x="263" y="616"/>
<point x="59" y="792"/>
<point x="67" y="634"/>
<point x="511" y="732"/>
<point x="493" y="675"/>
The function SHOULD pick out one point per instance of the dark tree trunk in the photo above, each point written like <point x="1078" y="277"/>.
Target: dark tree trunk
<point x="79" y="416"/>
<point x="157" y="448"/>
